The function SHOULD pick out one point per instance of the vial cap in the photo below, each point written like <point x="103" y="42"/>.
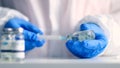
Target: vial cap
<point x="19" y="30"/>
<point x="6" y="30"/>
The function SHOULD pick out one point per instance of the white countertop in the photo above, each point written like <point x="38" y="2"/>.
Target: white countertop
<point x="99" y="62"/>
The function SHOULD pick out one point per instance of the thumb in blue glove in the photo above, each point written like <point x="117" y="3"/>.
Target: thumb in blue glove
<point x="30" y="32"/>
<point x="88" y="48"/>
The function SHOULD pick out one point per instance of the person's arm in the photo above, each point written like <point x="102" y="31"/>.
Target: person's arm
<point x="10" y="18"/>
<point x="114" y="28"/>
<point x="110" y="24"/>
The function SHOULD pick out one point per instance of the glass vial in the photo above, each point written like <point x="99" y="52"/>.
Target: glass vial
<point x="18" y="44"/>
<point x="5" y="44"/>
<point x="12" y="44"/>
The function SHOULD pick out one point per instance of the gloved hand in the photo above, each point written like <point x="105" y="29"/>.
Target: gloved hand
<point x="30" y="32"/>
<point x="88" y="48"/>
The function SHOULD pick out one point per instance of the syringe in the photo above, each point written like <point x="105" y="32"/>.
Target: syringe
<point x="80" y="35"/>
<point x="52" y="37"/>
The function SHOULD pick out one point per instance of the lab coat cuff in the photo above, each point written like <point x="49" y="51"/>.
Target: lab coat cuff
<point x="7" y="14"/>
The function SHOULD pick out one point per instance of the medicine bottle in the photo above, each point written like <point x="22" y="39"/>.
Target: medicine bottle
<point x="18" y="44"/>
<point x="5" y="44"/>
<point x="12" y="44"/>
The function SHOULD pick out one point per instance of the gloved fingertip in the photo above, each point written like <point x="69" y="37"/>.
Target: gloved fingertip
<point x="83" y="27"/>
<point x="69" y="42"/>
<point x="40" y="32"/>
<point x="40" y="43"/>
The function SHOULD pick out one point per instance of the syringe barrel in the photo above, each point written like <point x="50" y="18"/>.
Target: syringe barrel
<point x="51" y="37"/>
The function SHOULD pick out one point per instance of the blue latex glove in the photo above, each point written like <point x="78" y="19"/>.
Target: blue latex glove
<point x="30" y="32"/>
<point x="88" y="48"/>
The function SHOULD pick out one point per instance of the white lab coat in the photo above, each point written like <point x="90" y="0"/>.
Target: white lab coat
<point x="62" y="16"/>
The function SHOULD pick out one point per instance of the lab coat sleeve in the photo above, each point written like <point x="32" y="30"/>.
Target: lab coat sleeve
<point x="110" y="23"/>
<point x="7" y="13"/>
<point x="114" y="28"/>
